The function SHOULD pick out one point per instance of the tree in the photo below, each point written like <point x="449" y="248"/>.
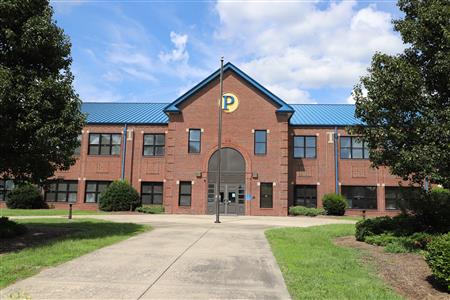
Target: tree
<point x="40" y="116"/>
<point x="404" y="100"/>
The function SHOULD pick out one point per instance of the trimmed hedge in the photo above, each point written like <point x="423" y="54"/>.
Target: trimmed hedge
<point x="305" y="211"/>
<point x="25" y="196"/>
<point x="119" y="196"/>
<point x="334" y="204"/>
<point x="438" y="258"/>
<point x="9" y="229"/>
<point x="151" y="209"/>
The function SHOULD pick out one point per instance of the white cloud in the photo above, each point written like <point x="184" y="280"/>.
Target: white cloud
<point x="179" y="53"/>
<point x="303" y="45"/>
<point x="292" y="95"/>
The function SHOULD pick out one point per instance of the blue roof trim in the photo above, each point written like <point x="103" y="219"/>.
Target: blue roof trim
<point x="124" y="113"/>
<point x="324" y="115"/>
<point x="283" y="106"/>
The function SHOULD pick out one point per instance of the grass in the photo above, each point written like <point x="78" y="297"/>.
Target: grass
<point x="45" y="212"/>
<point x="314" y="268"/>
<point x="86" y="235"/>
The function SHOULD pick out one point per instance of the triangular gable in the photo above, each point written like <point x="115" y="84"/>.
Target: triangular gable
<point x="283" y="106"/>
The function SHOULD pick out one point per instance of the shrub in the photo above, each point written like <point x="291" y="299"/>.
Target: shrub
<point x="119" y="196"/>
<point x="25" y="196"/>
<point x="401" y="225"/>
<point x="432" y="210"/>
<point x="9" y="229"/>
<point x="400" y="244"/>
<point x="305" y="211"/>
<point x="334" y="204"/>
<point x="151" y="209"/>
<point x="438" y="258"/>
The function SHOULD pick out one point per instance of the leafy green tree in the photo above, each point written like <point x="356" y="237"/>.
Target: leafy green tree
<point x="40" y="116"/>
<point x="404" y="100"/>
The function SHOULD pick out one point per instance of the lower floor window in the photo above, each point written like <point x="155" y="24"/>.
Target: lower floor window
<point x="94" y="189"/>
<point x="397" y="197"/>
<point x="305" y="195"/>
<point x="266" y="195"/>
<point x="62" y="191"/>
<point x="185" y="194"/>
<point x="6" y="186"/>
<point x="360" y="197"/>
<point x="152" y="192"/>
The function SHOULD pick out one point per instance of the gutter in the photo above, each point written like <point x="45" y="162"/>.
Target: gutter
<point x="336" y="160"/>
<point x="124" y="150"/>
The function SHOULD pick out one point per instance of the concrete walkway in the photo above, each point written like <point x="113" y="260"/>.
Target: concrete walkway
<point x="184" y="257"/>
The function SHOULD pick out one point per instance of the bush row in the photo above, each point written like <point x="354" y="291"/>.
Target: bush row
<point x="151" y="209"/>
<point x="306" y="211"/>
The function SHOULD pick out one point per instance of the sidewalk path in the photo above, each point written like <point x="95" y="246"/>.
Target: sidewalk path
<point x="185" y="257"/>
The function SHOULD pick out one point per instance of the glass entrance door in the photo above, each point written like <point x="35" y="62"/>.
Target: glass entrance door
<point x="232" y="200"/>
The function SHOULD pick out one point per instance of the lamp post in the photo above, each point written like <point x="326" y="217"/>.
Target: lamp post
<point x="219" y="144"/>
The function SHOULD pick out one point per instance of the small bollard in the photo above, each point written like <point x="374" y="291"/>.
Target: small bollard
<point x="364" y="214"/>
<point x="70" y="211"/>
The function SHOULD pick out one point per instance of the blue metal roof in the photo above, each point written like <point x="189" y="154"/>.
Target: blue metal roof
<point x="121" y="113"/>
<point x="324" y="115"/>
<point x="283" y="106"/>
<point x="153" y="113"/>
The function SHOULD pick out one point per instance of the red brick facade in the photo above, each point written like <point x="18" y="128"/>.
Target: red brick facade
<point x="255" y="112"/>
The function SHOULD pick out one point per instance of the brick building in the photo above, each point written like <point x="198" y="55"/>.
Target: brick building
<point x="275" y="155"/>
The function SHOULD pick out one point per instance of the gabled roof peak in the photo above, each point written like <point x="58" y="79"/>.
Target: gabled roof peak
<point x="283" y="106"/>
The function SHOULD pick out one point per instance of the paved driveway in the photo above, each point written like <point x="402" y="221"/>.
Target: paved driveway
<point x="184" y="257"/>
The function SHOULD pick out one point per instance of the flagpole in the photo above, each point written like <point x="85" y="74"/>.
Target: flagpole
<point x="219" y="143"/>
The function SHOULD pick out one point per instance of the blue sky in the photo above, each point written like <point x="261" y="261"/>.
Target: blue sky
<point x="153" y="51"/>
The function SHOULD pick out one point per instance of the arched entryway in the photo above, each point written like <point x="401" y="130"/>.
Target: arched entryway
<point x="232" y="187"/>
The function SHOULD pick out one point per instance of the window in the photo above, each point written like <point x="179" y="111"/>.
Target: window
<point x="184" y="198"/>
<point x="266" y="195"/>
<point x="94" y="189"/>
<point x="396" y="196"/>
<point x="305" y="195"/>
<point x="104" y="144"/>
<point x="6" y="186"/>
<point x="194" y="141"/>
<point x="154" y="144"/>
<point x="305" y="146"/>
<point x="62" y="191"/>
<point x="260" y="142"/>
<point x="353" y="148"/>
<point x="152" y="192"/>
<point x="78" y="149"/>
<point x="360" y="197"/>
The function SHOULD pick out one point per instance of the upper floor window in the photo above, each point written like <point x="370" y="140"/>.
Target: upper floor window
<point x="260" y="142"/>
<point x="352" y="147"/>
<point x="62" y="191"/>
<point x="78" y="148"/>
<point x="6" y="186"/>
<point x="194" y="140"/>
<point x="104" y="143"/>
<point x="154" y="144"/>
<point x="305" y="146"/>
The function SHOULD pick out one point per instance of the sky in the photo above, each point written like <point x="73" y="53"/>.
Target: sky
<point x="154" y="51"/>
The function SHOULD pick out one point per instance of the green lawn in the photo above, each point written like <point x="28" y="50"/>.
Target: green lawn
<point x="314" y="268"/>
<point x="87" y="235"/>
<point x="45" y="212"/>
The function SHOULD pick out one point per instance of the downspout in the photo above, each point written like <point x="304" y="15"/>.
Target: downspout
<point x="124" y="151"/>
<point x="336" y="160"/>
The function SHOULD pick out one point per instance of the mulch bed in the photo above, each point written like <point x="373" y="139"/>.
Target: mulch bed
<point x="33" y="237"/>
<point x="407" y="273"/>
